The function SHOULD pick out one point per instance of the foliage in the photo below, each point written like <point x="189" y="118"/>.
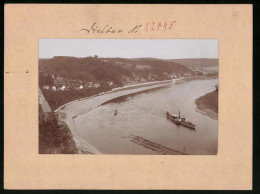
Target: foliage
<point x="45" y="79"/>
<point x="54" y="135"/>
<point x="96" y="69"/>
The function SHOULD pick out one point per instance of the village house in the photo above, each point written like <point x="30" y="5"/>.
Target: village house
<point x="75" y="84"/>
<point x="63" y="87"/>
<point x="46" y="87"/>
<point x="59" y="81"/>
<point x="97" y="85"/>
<point x="173" y="76"/>
<point x="54" y="88"/>
<point x="80" y="87"/>
<point x="87" y="85"/>
<point x="110" y="83"/>
<point x="68" y="87"/>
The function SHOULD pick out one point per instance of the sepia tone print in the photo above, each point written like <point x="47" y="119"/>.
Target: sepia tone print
<point x="128" y="96"/>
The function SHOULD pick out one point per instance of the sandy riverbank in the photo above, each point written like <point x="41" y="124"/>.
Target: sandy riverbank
<point x="83" y="146"/>
<point x="208" y="104"/>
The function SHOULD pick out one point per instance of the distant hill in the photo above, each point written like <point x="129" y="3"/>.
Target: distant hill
<point x="201" y="62"/>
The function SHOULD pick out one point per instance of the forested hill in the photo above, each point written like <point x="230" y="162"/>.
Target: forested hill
<point x="118" y="70"/>
<point x="201" y="62"/>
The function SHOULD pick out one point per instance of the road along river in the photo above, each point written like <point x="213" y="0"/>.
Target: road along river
<point x="141" y="126"/>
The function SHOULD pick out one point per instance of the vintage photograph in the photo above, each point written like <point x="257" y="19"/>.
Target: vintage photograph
<point x="128" y="96"/>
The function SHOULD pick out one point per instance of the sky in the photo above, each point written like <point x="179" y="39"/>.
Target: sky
<point x="130" y="48"/>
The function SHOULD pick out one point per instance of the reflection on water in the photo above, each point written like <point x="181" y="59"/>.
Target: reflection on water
<point x="144" y="115"/>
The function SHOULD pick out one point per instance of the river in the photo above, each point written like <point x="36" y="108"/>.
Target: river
<point x="143" y="115"/>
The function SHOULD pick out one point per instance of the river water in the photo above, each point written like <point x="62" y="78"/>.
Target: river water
<point x="144" y="115"/>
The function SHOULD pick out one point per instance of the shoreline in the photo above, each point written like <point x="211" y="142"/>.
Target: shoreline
<point x="207" y="112"/>
<point x="128" y="87"/>
<point x="82" y="145"/>
<point x="68" y="116"/>
<point x="208" y="104"/>
<point x="78" y="107"/>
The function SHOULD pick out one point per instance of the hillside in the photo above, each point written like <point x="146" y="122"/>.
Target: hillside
<point x="201" y="62"/>
<point x="119" y="70"/>
<point x="208" y="66"/>
<point x="63" y="79"/>
<point x="54" y="135"/>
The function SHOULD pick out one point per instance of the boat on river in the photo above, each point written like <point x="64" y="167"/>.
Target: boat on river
<point x="116" y="112"/>
<point x="180" y="120"/>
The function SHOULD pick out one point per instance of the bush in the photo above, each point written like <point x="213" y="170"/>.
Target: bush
<point x="54" y="135"/>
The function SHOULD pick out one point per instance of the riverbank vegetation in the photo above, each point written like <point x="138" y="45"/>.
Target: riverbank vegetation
<point x="54" y="135"/>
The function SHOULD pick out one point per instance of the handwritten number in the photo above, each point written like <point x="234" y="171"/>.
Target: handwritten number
<point x="146" y="27"/>
<point x="153" y="25"/>
<point x="159" y="25"/>
<point x="171" y="25"/>
<point x="165" y="25"/>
